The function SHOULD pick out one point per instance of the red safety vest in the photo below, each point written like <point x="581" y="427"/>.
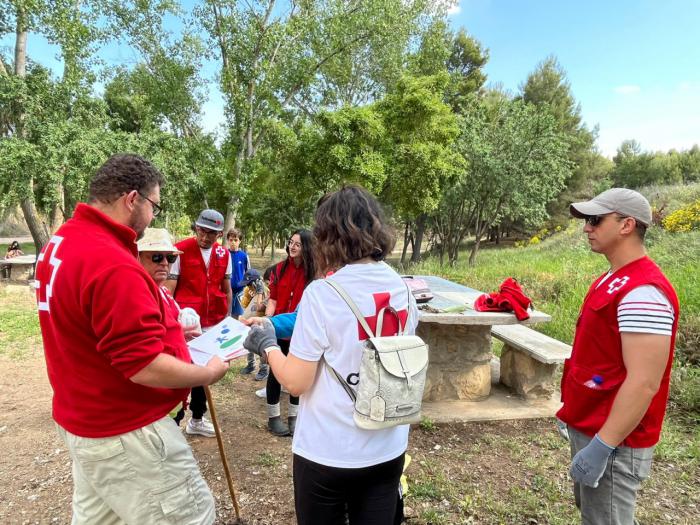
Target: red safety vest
<point x="199" y="287"/>
<point x="597" y="350"/>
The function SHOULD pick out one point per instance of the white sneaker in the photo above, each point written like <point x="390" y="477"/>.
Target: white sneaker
<point x="263" y="392"/>
<point x="202" y="427"/>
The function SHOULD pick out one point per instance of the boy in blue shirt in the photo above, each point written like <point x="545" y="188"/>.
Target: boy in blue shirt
<point x="239" y="266"/>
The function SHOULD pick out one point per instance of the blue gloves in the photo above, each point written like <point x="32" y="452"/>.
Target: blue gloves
<point x="589" y="463"/>
<point x="261" y="337"/>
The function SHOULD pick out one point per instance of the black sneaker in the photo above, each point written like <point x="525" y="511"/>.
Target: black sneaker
<point x="262" y="373"/>
<point x="275" y="425"/>
<point x="249" y="369"/>
<point x="292" y="424"/>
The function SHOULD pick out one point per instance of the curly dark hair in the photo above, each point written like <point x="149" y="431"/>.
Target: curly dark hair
<point x="350" y="225"/>
<point x="121" y="174"/>
<point x="307" y="255"/>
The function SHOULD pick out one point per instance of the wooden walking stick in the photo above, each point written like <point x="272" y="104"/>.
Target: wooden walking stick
<point x="222" y="452"/>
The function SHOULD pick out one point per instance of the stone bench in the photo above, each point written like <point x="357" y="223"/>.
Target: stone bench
<point x="529" y="359"/>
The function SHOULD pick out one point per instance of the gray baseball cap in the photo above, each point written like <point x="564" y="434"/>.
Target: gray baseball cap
<point x="615" y="200"/>
<point x="210" y="219"/>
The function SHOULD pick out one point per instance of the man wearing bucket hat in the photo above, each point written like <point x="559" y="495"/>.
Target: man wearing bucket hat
<point x="200" y="279"/>
<point x="615" y="385"/>
<point x="117" y="361"/>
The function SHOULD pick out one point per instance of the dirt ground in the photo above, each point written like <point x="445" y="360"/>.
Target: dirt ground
<point x="468" y="473"/>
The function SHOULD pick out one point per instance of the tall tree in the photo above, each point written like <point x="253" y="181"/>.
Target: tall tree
<point x="548" y="88"/>
<point x="287" y="57"/>
<point x="517" y="162"/>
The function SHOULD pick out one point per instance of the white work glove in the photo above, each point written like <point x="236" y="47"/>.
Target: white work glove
<point x="189" y="320"/>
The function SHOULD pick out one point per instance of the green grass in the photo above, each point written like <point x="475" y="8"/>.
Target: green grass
<point x="19" y="323"/>
<point x="265" y="459"/>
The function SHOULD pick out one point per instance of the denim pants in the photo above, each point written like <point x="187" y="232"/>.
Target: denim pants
<point x="613" y="501"/>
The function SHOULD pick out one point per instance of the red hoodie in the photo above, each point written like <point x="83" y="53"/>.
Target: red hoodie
<point x="102" y="320"/>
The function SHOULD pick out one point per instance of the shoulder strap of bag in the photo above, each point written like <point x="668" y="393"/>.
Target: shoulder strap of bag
<point x="355" y="310"/>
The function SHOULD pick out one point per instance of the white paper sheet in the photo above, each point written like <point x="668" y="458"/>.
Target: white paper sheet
<point x="224" y="340"/>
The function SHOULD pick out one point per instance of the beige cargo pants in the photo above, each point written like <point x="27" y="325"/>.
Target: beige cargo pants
<point x="147" y="476"/>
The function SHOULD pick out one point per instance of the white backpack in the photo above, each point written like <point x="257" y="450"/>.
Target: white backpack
<point x="392" y="373"/>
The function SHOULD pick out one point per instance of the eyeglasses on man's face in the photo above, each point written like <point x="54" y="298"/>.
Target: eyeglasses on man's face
<point x="204" y="232"/>
<point x="156" y="207"/>
<point x="595" y="220"/>
<point x="158" y="257"/>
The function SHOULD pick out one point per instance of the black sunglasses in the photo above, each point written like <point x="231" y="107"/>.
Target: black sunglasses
<point x="595" y="220"/>
<point x="158" y="257"/>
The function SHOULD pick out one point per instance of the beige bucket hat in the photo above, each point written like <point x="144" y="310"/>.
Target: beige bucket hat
<point x="157" y="240"/>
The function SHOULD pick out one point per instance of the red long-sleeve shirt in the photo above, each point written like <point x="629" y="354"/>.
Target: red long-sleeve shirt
<point x="102" y="320"/>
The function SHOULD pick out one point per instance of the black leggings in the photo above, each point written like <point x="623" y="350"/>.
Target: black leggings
<point x="273" y="387"/>
<point x="198" y="404"/>
<point x="323" y="495"/>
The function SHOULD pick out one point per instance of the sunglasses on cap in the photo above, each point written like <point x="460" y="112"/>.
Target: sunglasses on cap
<point x="158" y="257"/>
<point x="595" y="220"/>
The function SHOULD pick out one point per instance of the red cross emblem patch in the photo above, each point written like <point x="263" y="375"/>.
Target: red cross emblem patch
<point x="389" y="323"/>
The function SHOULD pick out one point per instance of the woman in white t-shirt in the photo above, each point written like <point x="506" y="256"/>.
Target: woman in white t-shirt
<point x="338" y="467"/>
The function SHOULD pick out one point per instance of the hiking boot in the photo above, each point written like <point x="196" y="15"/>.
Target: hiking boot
<point x="292" y="421"/>
<point x="248" y="369"/>
<point x="202" y="427"/>
<point x="275" y="425"/>
<point x="262" y="373"/>
<point x="262" y="392"/>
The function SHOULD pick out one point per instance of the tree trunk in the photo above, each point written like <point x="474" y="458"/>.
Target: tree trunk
<point x="405" y="245"/>
<point x="31" y="217"/>
<point x="475" y="248"/>
<point x="420" y="230"/>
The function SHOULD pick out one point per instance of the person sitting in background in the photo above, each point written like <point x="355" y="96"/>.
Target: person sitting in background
<point x="253" y="300"/>
<point x="156" y="254"/>
<point x="13" y="250"/>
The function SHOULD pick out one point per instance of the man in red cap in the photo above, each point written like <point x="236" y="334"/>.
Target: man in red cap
<point x="201" y="279"/>
<point x="615" y="385"/>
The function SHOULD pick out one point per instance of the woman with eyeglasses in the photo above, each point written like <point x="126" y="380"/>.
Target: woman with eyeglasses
<point x="293" y="275"/>
<point x="156" y="254"/>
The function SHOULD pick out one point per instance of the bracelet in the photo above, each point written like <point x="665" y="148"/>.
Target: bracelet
<point x="271" y="348"/>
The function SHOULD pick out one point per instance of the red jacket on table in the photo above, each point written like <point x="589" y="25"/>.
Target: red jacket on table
<point x="288" y="288"/>
<point x="597" y="350"/>
<point x="199" y="286"/>
<point x="102" y="320"/>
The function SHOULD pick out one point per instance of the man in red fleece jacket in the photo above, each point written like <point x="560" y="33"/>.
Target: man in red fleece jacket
<point x="116" y="365"/>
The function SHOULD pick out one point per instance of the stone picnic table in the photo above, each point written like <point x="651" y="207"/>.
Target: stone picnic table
<point x="460" y="365"/>
<point x="21" y="267"/>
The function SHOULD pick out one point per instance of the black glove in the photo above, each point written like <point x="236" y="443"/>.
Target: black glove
<point x="261" y="338"/>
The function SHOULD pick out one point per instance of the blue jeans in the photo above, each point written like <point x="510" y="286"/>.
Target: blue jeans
<point x="613" y="501"/>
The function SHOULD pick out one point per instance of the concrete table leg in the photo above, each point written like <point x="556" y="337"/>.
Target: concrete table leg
<point x="459" y="361"/>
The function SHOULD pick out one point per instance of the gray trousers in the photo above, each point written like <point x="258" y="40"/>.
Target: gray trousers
<point x="613" y="501"/>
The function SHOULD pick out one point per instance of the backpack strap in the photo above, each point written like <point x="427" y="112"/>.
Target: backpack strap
<point x="351" y="304"/>
<point x="361" y="319"/>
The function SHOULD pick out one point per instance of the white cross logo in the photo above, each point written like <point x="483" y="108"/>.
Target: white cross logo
<point x="617" y="283"/>
<point x="43" y="289"/>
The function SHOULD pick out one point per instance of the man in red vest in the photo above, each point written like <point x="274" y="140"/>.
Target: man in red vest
<point x="201" y="279"/>
<point x="615" y="385"/>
